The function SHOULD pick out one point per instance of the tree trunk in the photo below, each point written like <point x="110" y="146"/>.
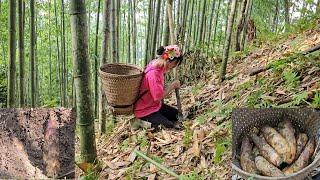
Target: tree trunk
<point x="275" y="18"/>
<point x="146" y="59"/>
<point x="189" y="36"/>
<point x="134" y="34"/>
<point x="81" y="65"/>
<point x="228" y="12"/>
<point x="50" y="53"/>
<point x="247" y="17"/>
<point x="318" y="6"/>
<point x="211" y="19"/>
<point x="129" y="32"/>
<point x="201" y="30"/>
<point x="58" y="49"/>
<point x="172" y="31"/>
<point x="12" y="55"/>
<point x="117" y="7"/>
<point x="63" y="53"/>
<point x="216" y="24"/>
<point x="227" y="40"/>
<point x="96" y="64"/>
<point x="240" y="24"/>
<point x="198" y="25"/>
<point x="156" y="28"/>
<point x="36" y="64"/>
<point x="103" y="60"/>
<point x="32" y="54"/>
<point x="286" y="11"/>
<point x="114" y="33"/>
<point x="166" y="35"/>
<point x="184" y="24"/>
<point x="21" y="53"/>
<point x="173" y="41"/>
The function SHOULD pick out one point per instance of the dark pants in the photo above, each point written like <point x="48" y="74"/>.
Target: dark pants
<point x="166" y="116"/>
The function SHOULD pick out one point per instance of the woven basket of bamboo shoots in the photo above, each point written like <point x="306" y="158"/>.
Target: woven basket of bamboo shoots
<point x="305" y="120"/>
<point x="121" y="83"/>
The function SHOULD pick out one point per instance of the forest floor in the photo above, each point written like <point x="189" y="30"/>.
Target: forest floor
<point x="203" y="149"/>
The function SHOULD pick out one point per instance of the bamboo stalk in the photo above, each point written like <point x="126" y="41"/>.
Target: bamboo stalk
<point x="160" y="166"/>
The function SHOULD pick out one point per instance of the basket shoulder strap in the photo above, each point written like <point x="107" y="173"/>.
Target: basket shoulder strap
<point x="145" y="91"/>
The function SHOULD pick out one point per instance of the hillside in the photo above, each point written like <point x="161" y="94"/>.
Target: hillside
<point x="203" y="148"/>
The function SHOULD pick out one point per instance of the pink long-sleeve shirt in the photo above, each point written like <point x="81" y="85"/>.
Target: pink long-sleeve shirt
<point x="153" y="82"/>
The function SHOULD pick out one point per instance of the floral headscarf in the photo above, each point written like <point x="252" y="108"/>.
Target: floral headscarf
<point x="171" y="52"/>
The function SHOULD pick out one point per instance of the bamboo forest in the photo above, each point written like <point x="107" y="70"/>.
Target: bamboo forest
<point x="260" y="54"/>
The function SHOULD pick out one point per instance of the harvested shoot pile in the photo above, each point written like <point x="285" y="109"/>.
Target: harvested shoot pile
<point x="203" y="148"/>
<point x="276" y="152"/>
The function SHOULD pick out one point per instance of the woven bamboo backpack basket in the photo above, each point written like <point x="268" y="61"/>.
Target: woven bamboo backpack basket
<point x="121" y="83"/>
<point x="305" y="120"/>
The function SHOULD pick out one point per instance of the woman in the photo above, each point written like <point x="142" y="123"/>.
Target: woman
<point x="149" y="107"/>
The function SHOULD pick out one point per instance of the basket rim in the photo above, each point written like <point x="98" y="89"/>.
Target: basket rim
<point x="103" y="73"/>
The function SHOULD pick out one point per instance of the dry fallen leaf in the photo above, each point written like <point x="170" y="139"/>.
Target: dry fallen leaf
<point x="196" y="148"/>
<point x="281" y="92"/>
<point x="152" y="177"/>
<point x="133" y="155"/>
<point x="153" y="168"/>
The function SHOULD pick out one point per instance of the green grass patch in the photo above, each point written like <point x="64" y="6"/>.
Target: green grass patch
<point x="316" y="100"/>
<point x="291" y="79"/>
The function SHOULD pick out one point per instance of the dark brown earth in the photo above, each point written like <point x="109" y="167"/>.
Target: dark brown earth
<point x="37" y="143"/>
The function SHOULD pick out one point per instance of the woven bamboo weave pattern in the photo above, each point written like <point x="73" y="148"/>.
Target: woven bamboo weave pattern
<point x="121" y="83"/>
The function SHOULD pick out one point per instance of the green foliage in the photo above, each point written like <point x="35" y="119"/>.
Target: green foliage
<point x="254" y="99"/>
<point x="133" y="169"/>
<point x="277" y="65"/>
<point x="316" y="100"/>
<point x="221" y="148"/>
<point x="291" y="79"/>
<point x="125" y="145"/>
<point x="196" y="88"/>
<point x="201" y="119"/>
<point x="224" y="110"/>
<point x="299" y="98"/>
<point x="241" y="88"/>
<point x="187" y="138"/>
<point x="51" y="103"/>
<point x="156" y="159"/>
<point x="142" y="140"/>
<point x="90" y="175"/>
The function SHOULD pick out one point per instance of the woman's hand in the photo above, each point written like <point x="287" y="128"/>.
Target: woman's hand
<point x="176" y="84"/>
